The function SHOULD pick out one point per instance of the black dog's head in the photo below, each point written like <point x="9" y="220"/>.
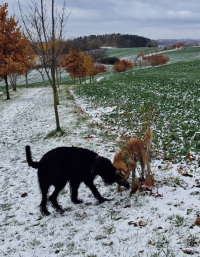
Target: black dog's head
<point x="104" y="168"/>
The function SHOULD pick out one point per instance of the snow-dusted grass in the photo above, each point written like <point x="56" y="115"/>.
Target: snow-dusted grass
<point x="173" y="91"/>
<point x="175" y="55"/>
<point x="153" y="223"/>
<point x="160" y="223"/>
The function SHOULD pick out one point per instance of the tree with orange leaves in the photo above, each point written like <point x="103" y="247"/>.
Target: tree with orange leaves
<point x="15" y="50"/>
<point x="122" y="66"/>
<point x="73" y="63"/>
<point x="70" y="62"/>
<point x="88" y="64"/>
<point x="98" y="68"/>
<point x="80" y="65"/>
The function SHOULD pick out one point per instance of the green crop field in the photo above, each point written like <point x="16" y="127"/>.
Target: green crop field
<point x="168" y="96"/>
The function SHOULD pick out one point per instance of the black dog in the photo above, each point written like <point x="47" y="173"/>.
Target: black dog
<point x="75" y="165"/>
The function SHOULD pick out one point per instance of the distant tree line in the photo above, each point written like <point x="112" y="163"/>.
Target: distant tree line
<point x="88" y="43"/>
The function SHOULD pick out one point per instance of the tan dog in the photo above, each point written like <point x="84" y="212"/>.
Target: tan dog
<point x="135" y="150"/>
<point x="124" y="165"/>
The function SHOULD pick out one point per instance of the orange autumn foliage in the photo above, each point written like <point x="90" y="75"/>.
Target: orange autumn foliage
<point x="100" y="68"/>
<point x="70" y="63"/>
<point x="80" y="65"/>
<point x="16" y="56"/>
<point x="156" y="59"/>
<point x="122" y="66"/>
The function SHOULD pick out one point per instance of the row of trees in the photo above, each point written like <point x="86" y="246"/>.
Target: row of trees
<point x="79" y="65"/>
<point x="88" y="43"/>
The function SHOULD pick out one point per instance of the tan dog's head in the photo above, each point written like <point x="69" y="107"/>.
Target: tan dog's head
<point x="120" y="164"/>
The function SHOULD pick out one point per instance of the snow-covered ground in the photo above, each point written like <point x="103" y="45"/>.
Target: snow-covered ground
<point x="153" y="223"/>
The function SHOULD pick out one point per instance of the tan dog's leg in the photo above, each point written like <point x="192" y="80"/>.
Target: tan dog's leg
<point x="142" y="161"/>
<point x="118" y="188"/>
<point x="132" y="168"/>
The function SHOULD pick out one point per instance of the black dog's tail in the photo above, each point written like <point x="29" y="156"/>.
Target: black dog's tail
<point x="31" y="163"/>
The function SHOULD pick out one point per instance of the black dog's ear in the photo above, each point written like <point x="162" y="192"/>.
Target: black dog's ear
<point x="104" y="168"/>
<point x="99" y="164"/>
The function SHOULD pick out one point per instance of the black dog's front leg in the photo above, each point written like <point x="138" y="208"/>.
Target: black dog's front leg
<point x="95" y="192"/>
<point x="74" y="191"/>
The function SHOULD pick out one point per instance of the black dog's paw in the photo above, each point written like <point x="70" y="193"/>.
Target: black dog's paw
<point x="77" y="201"/>
<point x="106" y="199"/>
<point x="60" y="211"/>
<point x="44" y="211"/>
<point x="103" y="199"/>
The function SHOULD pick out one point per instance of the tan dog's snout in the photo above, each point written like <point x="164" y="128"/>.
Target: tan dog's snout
<point x="121" y="179"/>
<point x="123" y="174"/>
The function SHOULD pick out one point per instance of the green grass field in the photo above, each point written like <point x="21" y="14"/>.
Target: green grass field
<point x="168" y="94"/>
<point x="171" y="93"/>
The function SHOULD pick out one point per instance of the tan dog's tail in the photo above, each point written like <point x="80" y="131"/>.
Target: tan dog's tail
<point x="148" y="137"/>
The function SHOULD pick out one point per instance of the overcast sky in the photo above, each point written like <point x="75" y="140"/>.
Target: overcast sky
<point x="154" y="19"/>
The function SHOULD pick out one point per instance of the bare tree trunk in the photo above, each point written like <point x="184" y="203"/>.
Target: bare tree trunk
<point x="49" y="40"/>
<point x="57" y="78"/>
<point x="7" y="89"/>
<point x="13" y="81"/>
<point x="55" y="103"/>
<point x="26" y="76"/>
<point x="53" y="68"/>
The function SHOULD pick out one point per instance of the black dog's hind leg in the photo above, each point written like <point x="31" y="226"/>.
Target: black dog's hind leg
<point x="95" y="192"/>
<point x="53" y="198"/>
<point x="43" y="204"/>
<point x="74" y="191"/>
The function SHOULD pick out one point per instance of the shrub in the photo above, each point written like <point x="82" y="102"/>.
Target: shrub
<point x="156" y="59"/>
<point x="108" y="60"/>
<point x="122" y="66"/>
<point x="100" y="68"/>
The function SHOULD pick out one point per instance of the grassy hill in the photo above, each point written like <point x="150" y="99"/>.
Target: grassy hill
<point x="171" y="93"/>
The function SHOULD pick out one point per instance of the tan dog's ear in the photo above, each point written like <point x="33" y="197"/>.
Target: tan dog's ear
<point x="121" y="173"/>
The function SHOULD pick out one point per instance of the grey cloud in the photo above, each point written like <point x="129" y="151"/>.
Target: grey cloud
<point x="153" y="19"/>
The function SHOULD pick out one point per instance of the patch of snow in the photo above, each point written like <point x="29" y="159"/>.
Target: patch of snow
<point x="144" y="224"/>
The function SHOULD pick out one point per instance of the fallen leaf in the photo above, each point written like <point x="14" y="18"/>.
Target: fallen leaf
<point x="197" y="221"/>
<point x="24" y="195"/>
<point x="191" y="157"/>
<point x="89" y="136"/>
<point x="186" y="174"/>
<point x="133" y="223"/>
<point x="188" y="251"/>
<point x="149" y="182"/>
<point x="127" y="206"/>
<point x="134" y="188"/>
<point x="142" y="223"/>
<point x="158" y="195"/>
